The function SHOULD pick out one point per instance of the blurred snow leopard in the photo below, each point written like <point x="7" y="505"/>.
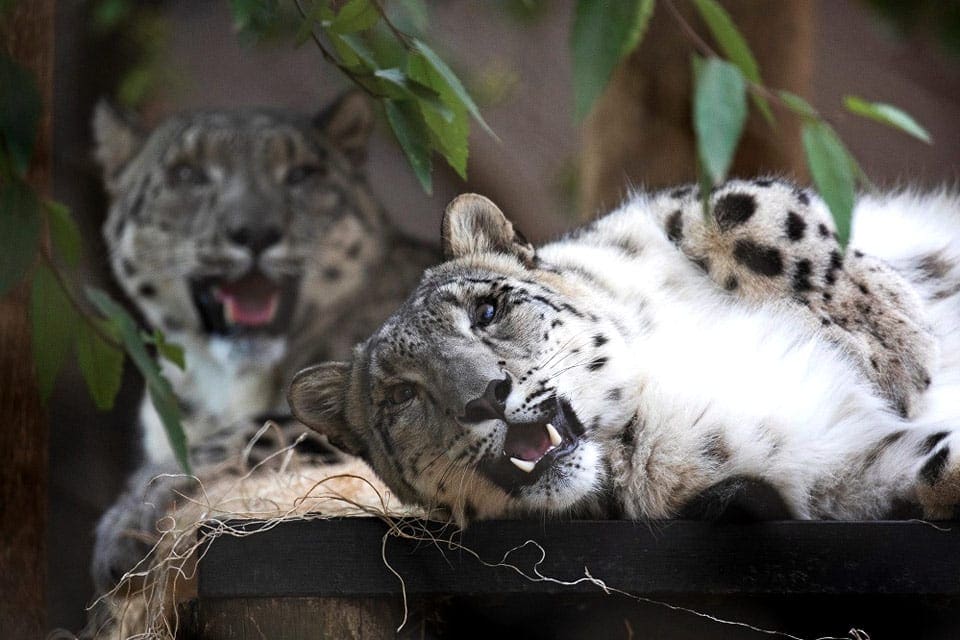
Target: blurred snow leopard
<point x="251" y="237"/>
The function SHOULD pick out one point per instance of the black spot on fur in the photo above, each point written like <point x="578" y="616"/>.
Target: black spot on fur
<point x="825" y="322"/>
<point x="715" y="448"/>
<point x="933" y="267"/>
<point x="827" y="296"/>
<point x="836" y="260"/>
<point x="128" y="269"/>
<point x="733" y="210"/>
<point x="836" y="263"/>
<point x="874" y="454"/>
<point x="147" y="290"/>
<point x="681" y="193"/>
<point x="931" y="441"/>
<point x="763" y="182"/>
<point x="801" y="276"/>
<point x="933" y="469"/>
<point x="354" y="250"/>
<point x="796" y="227"/>
<point x="766" y="261"/>
<point x="598" y="363"/>
<point x="599" y="340"/>
<point x="802" y="197"/>
<point x="863" y="288"/>
<point x="823" y="230"/>
<point x="703" y="263"/>
<point x="614" y="395"/>
<point x="731" y="284"/>
<point x="675" y="227"/>
<point x="332" y="273"/>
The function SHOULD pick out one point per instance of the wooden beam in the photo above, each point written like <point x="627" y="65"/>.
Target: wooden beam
<point x="338" y="558"/>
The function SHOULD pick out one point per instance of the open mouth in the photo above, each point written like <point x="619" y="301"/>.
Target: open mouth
<point x="251" y="304"/>
<point x="530" y="449"/>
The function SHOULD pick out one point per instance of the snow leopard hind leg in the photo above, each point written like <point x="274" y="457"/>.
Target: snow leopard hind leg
<point x="767" y="240"/>
<point x="908" y="472"/>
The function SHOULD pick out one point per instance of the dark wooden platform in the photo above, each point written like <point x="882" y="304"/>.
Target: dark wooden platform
<point x="892" y="579"/>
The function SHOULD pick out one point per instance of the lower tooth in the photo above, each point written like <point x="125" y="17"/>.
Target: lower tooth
<point x="523" y="465"/>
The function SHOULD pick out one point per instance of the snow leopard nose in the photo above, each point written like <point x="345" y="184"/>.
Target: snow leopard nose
<point x="257" y="238"/>
<point x="492" y="404"/>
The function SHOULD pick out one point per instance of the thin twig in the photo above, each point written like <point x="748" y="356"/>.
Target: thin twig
<point x="329" y="57"/>
<point x="404" y="38"/>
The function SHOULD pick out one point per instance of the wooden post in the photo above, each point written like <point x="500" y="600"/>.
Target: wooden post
<point x="639" y="132"/>
<point x="26" y="34"/>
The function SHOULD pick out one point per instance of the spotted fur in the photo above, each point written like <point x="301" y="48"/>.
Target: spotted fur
<point x="273" y="205"/>
<point x="698" y="359"/>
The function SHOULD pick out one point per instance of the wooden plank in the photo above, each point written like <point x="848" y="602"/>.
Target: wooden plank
<point x="342" y="558"/>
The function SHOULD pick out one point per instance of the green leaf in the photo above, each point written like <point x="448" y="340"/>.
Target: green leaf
<point x="719" y="113"/>
<point x="452" y="82"/>
<point x="356" y="15"/>
<point x="798" y="105"/>
<point x="159" y="389"/>
<point x="165" y="403"/>
<point x="19" y="231"/>
<point x="412" y="134"/>
<point x="255" y="18"/>
<point x="398" y="85"/>
<point x="317" y="12"/>
<point x="101" y="365"/>
<point x="19" y="112"/>
<point x="170" y="351"/>
<point x="603" y="33"/>
<point x="448" y="135"/>
<point x="64" y="232"/>
<point x="107" y="14"/>
<point x="54" y="323"/>
<point x="833" y="173"/>
<point x="353" y="52"/>
<point x="887" y="114"/>
<point x="734" y="47"/>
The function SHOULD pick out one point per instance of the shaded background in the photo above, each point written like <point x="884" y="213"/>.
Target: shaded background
<point x="514" y="57"/>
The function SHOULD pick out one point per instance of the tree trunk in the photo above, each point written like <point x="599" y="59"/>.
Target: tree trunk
<point x="26" y="33"/>
<point x="639" y="133"/>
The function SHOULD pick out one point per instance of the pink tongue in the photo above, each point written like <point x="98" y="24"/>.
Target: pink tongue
<point x="526" y="441"/>
<point x="250" y="301"/>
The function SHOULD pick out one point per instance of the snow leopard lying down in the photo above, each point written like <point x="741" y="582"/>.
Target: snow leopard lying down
<point x="654" y="354"/>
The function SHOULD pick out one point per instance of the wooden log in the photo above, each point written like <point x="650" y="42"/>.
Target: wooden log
<point x="26" y="34"/>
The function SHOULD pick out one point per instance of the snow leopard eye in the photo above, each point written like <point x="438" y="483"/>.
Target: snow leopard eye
<point x="401" y="393"/>
<point x="300" y="174"/>
<point x="185" y="173"/>
<point x="485" y="312"/>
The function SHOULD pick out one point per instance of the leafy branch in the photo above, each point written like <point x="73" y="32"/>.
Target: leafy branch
<point x="722" y="81"/>
<point x="426" y="105"/>
<point x="42" y="247"/>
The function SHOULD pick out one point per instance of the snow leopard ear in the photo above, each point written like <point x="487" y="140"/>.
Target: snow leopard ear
<point x="316" y="398"/>
<point x="348" y="123"/>
<point x="473" y="224"/>
<point x="117" y="138"/>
